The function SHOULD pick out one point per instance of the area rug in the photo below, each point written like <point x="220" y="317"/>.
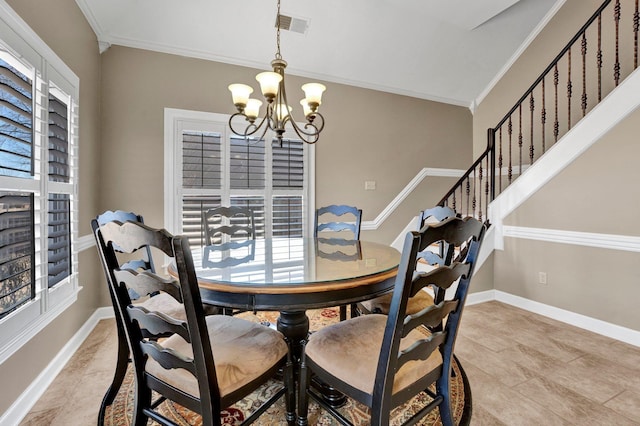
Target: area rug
<point x="119" y="413"/>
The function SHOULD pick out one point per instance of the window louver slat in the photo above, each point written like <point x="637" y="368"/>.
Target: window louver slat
<point x="58" y="239"/>
<point x="16" y="123"/>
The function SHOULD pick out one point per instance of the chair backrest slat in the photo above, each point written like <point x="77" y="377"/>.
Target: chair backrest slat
<point x="430" y="317"/>
<point x="350" y="222"/>
<point x="158" y="323"/>
<point x="442" y="277"/>
<point x="421" y="349"/>
<point x="148" y="283"/>
<point x="167" y="358"/>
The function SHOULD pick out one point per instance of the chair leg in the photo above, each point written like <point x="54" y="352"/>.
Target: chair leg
<point x="445" y="406"/>
<point x="142" y="400"/>
<point x="303" y="387"/>
<point x="122" y="363"/>
<point x="343" y="312"/>
<point x="354" y="310"/>
<point x="290" y="395"/>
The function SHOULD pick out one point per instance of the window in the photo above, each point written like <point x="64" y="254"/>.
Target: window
<point x="206" y="166"/>
<point x="38" y="170"/>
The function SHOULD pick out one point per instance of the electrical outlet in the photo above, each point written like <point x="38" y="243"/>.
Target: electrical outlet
<point x="370" y="185"/>
<point x="542" y="278"/>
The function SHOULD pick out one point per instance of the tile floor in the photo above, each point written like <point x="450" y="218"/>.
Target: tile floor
<point x="524" y="369"/>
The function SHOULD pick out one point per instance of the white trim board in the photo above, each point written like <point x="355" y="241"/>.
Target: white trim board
<point x="604" y="328"/>
<point x="395" y="203"/>
<point x="586" y="239"/>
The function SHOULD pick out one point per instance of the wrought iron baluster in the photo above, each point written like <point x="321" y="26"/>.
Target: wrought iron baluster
<point x="543" y="114"/>
<point x="584" y="74"/>
<point x="556" y="123"/>
<point x="510" y="171"/>
<point x="569" y="89"/>
<point x="468" y="194"/>
<point x="474" y="201"/>
<point x="616" y="67"/>
<point x="480" y="192"/>
<point x="520" y="136"/>
<point x="531" y="109"/>
<point x="636" y="27"/>
<point x="453" y="201"/>
<point x="599" y="57"/>
<point x="500" y="161"/>
<point x="486" y="190"/>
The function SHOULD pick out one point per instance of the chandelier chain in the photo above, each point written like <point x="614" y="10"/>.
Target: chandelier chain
<point x="278" y="55"/>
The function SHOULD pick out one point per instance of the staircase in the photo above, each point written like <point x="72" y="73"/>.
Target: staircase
<point x="587" y="89"/>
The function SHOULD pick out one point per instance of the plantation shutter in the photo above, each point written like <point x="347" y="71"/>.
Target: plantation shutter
<point x="288" y="174"/>
<point x="17" y="245"/>
<point x="17" y="251"/>
<point x="59" y="211"/>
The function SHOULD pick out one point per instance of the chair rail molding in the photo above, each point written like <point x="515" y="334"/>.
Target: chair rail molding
<point x="586" y="239"/>
<point x="372" y="225"/>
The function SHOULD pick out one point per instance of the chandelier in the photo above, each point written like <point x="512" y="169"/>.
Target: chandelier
<point x="278" y="111"/>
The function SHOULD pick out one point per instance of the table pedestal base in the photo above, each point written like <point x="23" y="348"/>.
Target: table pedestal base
<point x="294" y="325"/>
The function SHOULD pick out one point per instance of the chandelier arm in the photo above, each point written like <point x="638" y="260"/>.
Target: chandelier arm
<point x="247" y="132"/>
<point x="307" y="137"/>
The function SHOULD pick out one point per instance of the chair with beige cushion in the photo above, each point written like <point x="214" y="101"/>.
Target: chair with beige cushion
<point x="332" y="224"/>
<point x="383" y="361"/>
<point x="209" y="362"/>
<point x="437" y="254"/>
<point x="142" y="260"/>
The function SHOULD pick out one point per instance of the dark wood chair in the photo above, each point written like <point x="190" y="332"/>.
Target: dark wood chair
<point x="229" y="224"/>
<point x="182" y="367"/>
<point x="344" y="220"/>
<point x="437" y="254"/>
<point x="228" y="228"/>
<point x="340" y="222"/>
<point x="141" y="261"/>
<point x="383" y="361"/>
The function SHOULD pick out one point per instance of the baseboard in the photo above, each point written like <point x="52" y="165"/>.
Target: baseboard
<point x="25" y="402"/>
<point x="480" y="297"/>
<point x="604" y="328"/>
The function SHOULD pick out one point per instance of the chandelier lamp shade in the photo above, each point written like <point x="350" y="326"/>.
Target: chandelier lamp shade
<point x="278" y="110"/>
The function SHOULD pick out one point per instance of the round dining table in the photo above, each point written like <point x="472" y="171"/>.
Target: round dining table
<point x="291" y="275"/>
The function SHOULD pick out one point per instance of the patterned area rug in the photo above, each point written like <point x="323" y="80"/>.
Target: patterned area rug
<point x="119" y="413"/>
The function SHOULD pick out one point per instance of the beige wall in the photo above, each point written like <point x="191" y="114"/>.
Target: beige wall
<point x="369" y="135"/>
<point x="596" y="193"/>
<point x="73" y="40"/>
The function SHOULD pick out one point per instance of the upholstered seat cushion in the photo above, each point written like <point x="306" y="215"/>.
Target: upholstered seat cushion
<point x="350" y="349"/>
<point x="242" y="351"/>
<point x="380" y="305"/>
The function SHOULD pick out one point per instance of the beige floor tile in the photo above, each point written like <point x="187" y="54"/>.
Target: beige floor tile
<point x="493" y="363"/>
<point x="505" y="404"/>
<point x="568" y="404"/>
<point x="627" y="404"/>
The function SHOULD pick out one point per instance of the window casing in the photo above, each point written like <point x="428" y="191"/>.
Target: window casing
<point x="206" y="165"/>
<point x="38" y="190"/>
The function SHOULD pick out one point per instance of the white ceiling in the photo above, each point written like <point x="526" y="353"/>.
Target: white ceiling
<point x="443" y="50"/>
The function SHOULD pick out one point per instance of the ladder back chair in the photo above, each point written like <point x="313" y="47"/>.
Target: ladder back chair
<point x="341" y="222"/>
<point x="383" y="361"/>
<point x="230" y="233"/>
<point x="142" y="261"/>
<point x="228" y="224"/>
<point x="438" y="254"/>
<point x="207" y="363"/>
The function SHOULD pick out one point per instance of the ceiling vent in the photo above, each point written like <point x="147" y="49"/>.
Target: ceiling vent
<point x="289" y="23"/>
